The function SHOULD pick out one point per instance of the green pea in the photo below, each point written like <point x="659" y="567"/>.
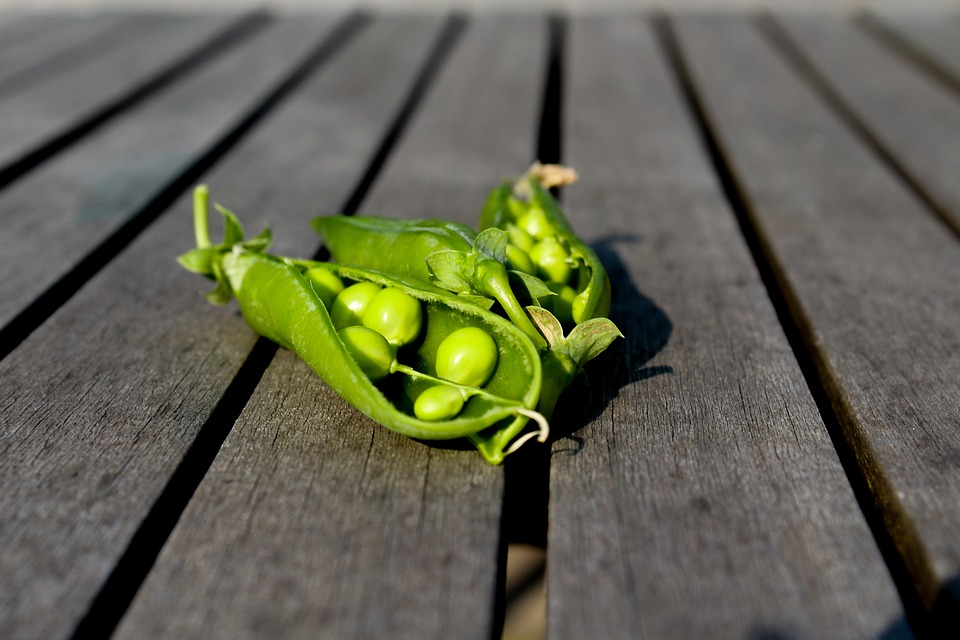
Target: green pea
<point x="519" y="238"/>
<point x="467" y="356"/>
<point x="347" y="308"/>
<point x="579" y="305"/>
<point x="551" y="259"/>
<point x="395" y="315"/>
<point x="520" y="260"/>
<point x="560" y="305"/>
<point x="326" y="283"/>
<point x="369" y="349"/>
<point x="536" y="224"/>
<point x="518" y="208"/>
<point x="438" y="403"/>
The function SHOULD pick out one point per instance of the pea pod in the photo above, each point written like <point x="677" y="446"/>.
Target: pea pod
<point x="504" y="209"/>
<point x="279" y="302"/>
<point x="446" y="253"/>
<point x="534" y="222"/>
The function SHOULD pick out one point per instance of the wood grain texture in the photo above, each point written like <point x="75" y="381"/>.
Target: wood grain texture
<point x="99" y="404"/>
<point x="45" y="48"/>
<point x="17" y="28"/>
<point x="870" y="275"/>
<point x="354" y="531"/>
<point x="914" y="118"/>
<point x="473" y="133"/>
<point x="701" y="496"/>
<point x="934" y="35"/>
<point x="37" y="113"/>
<point x="57" y="214"/>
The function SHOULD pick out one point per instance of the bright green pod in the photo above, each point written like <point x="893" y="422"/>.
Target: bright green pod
<point x="581" y="285"/>
<point x="280" y="303"/>
<point x="397" y="247"/>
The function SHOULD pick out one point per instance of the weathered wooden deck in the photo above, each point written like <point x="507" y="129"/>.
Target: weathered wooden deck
<point x="772" y="452"/>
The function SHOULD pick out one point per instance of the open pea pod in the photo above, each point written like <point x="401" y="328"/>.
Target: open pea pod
<point x="442" y="252"/>
<point x="528" y="206"/>
<point x="530" y="215"/>
<point x="280" y="302"/>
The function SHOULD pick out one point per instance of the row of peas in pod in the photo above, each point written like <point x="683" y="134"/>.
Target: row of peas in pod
<point x="374" y="322"/>
<point x="432" y="329"/>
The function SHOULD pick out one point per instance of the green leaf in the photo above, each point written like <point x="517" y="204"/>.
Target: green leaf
<point x="548" y="325"/>
<point x="589" y="339"/>
<point x="492" y="243"/>
<point x="222" y="294"/>
<point x="232" y="229"/>
<point x="260" y="242"/>
<point x="199" y="260"/>
<point x="533" y="285"/>
<point x="453" y="270"/>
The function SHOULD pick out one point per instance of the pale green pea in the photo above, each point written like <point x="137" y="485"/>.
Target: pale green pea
<point x="518" y="208"/>
<point x="326" y="283"/>
<point x="536" y="223"/>
<point x="347" y="308"/>
<point x="438" y="403"/>
<point x="579" y="303"/>
<point x="395" y="315"/>
<point x="520" y="260"/>
<point x="551" y="259"/>
<point x="519" y="238"/>
<point x="369" y="349"/>
<point x="467" y="356"/>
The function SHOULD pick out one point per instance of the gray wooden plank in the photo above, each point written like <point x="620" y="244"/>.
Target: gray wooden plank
<point x="934" y="36"/>
<point x="17" y="28"/>
<point x="357" y="531"/>
<point x="705" y="499"/>
<point x="916" y="120"/>
<point x="57" y="214"/>
<point x="449" y="176"/>
<point x="870" y="276"/>
<point x="99" y="405"/>
<point x="36" y="114"/>
<point x="55" y="45"/>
